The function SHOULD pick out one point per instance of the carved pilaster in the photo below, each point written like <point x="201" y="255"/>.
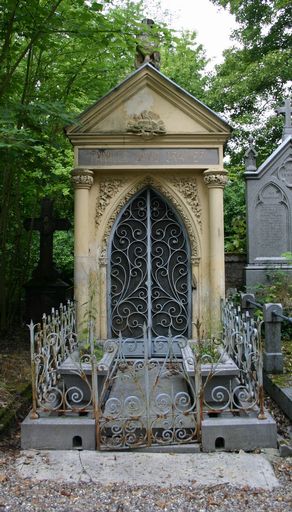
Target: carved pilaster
<point x="82" y="178"/>
<point x="215" y="178"/>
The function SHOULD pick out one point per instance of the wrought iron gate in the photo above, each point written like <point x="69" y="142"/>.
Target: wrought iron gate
<point x="150" y="278"/>
<point x="148" y="401"/>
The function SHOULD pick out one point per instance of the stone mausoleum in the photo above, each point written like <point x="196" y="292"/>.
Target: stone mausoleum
<point x="149" y="160"/>
<point x="161" y="368"/>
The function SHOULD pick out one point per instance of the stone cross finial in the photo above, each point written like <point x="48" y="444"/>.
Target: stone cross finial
<point x="250" y="156"/>
<point x="286" y="110"/>
<point x="46" y="224"/>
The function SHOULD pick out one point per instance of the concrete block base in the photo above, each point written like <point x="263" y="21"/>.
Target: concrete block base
<point x="228" y="433"/>
<point x="58" y="433"/>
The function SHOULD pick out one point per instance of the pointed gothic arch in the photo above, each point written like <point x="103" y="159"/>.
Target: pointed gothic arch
<point x="149" y="272"/>
<point x="181" y="193"/>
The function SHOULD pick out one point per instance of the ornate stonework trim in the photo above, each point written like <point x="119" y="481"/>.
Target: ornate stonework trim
<point x="188" y="188"/>
<point x="175" y="199"/>
<point x="284" y="172"/>
<point x="108" y="188"/>
<point x="215" y="178"/>
<point x="147" y="124"/>
<point x="82" y="178"/>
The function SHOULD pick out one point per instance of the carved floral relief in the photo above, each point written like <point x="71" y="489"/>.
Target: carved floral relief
<point x="108" y="188"/>
<point x="146" y="124"/>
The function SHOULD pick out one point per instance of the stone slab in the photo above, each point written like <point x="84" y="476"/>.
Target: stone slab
<point x="238" y="433"/>
<point x="282" y="396"/>
<point x="157" y="469"/>
<point x="148" y="156"/>
<point x="256" y="274"/>
<point x="58" y="433"/>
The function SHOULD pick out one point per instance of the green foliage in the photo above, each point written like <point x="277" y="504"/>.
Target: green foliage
<point x="255" y="75"/>
<point x="246" y="88"/>
<point x="234" y="212"/>
<point x="279" y="290"/>
<point x="56" y="58"/>
<point x="184" y="62"/>
<point x="279" y="287"/>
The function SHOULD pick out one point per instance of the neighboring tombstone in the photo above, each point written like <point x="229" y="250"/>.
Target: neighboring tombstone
<point x="46" y="289"/>
<point x="269" y="207"/>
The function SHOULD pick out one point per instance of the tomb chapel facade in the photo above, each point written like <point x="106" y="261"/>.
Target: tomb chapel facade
<point x="149" y="236"/>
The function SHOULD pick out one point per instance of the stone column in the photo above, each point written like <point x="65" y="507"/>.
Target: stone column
<point x="82" y="180"/>
<point x="216" y="179"/>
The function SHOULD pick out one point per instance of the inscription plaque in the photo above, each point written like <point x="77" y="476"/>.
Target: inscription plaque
<point x="272" y="229"/>
<point x="148" y="156"/>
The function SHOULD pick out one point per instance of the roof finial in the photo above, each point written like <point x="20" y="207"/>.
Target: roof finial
<point x="286" y="110"/>
<point x="250" y="156"/>
<point x="146" y="49"/>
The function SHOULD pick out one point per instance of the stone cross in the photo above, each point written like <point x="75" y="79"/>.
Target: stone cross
<point x="286" y="110"/>
<point x="46" y="224"/>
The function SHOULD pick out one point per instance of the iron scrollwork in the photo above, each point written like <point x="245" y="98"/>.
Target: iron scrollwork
<point x="150" y="270"/>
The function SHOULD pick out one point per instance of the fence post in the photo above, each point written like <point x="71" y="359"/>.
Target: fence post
<point x="33" y="415"/>
<point x="245" y="304"/>
<point x="273" y="357"/>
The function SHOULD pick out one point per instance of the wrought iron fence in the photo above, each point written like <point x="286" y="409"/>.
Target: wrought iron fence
<point x="151" y="400"/>
<point x="216" y="377"/>
<point x="52" y="342"/>
<point x="242" y="342"/>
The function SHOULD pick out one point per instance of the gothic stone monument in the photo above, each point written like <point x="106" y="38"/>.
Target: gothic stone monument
<point x="149" y="237"/>
<point x="269" y="208"/>
<point x="46" y="287"/>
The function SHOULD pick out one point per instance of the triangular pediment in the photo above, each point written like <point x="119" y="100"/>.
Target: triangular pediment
<point x="145" y="97"/>
<point x="282" y="156"/>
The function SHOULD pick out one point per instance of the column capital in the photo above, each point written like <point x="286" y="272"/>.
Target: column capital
<point x="215" y="178"/>
<point x="82" y="178"/>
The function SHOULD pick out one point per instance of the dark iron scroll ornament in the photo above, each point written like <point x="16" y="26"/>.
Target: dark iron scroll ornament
<point x="149" y="270"/>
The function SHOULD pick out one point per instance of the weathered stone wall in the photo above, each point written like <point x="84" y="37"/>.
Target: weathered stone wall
<point x="235" y="271"/>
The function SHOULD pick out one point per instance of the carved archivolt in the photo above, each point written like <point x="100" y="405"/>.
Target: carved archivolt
<point x="107" y="193"/>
